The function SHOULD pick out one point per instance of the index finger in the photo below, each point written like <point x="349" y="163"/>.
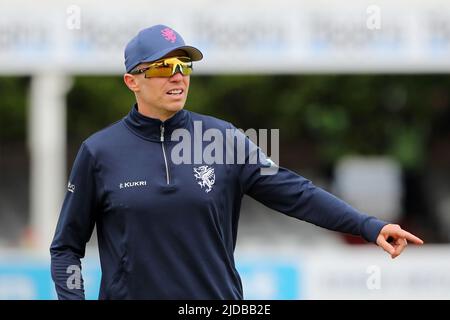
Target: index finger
<point x="410" y="237"/>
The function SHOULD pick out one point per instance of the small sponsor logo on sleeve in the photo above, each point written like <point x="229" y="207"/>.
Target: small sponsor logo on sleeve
<point x="70" y="187"/>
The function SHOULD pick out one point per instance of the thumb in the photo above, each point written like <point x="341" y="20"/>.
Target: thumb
<point x="381" y="241"/>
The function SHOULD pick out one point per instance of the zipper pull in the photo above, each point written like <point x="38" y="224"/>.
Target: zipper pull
<point x="162" y="132"/>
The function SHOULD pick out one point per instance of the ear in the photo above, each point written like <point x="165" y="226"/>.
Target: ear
<point x="131" y="82"/>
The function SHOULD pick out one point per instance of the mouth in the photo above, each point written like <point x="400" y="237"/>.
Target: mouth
<point x="175" y="92"/>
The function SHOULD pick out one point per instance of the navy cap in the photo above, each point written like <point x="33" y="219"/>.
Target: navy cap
<point x="153" y="43"/>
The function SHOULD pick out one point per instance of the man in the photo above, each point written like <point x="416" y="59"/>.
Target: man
<point x="167" y="230"/>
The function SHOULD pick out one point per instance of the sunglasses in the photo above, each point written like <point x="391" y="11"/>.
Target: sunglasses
<point x="167" y="67"/>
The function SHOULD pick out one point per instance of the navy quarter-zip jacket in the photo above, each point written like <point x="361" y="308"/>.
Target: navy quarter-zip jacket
<point x="163" y="232"/>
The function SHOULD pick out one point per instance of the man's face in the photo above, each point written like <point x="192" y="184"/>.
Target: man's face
<point x="164" y="95"/>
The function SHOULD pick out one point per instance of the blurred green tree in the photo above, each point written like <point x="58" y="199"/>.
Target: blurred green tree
<point x="332" y="115"/>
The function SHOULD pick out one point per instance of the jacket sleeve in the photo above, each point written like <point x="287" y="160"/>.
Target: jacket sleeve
<point x="74" y="228"/>
<point x="287" y="192"/>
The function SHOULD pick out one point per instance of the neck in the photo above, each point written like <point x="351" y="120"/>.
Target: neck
<point x="150" y="128"/>
<point x="150" y="112"/>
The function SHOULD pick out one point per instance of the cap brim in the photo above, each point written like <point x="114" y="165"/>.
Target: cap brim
<point x="192" y="52"/>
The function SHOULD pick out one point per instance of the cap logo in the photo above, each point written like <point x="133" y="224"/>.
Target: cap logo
<point x="169" y="35"/>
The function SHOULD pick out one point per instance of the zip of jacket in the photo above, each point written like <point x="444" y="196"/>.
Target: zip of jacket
<point x="164" y="154"/>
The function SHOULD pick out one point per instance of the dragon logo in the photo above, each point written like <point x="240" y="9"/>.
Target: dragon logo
<point x="169" y="35"/>
<point x="206" y="176"/>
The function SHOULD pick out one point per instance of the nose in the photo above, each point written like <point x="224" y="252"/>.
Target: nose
<point x="176" y="77"/>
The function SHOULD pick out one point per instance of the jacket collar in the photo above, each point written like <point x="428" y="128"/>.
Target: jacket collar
<point x="150" y="128"/>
